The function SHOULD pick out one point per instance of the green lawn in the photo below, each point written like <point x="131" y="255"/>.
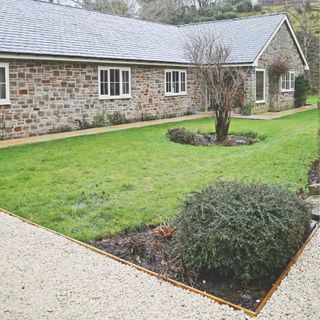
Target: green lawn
<point x="313" y="99"/>
<point x="90" y="186"/>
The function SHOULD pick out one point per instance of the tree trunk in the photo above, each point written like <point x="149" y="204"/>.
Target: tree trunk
<point x="222" y="123"/>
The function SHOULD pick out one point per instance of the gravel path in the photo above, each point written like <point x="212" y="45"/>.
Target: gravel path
<point x="45" y="276"/>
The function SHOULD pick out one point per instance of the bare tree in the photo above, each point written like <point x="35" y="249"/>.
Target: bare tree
<point x="223" y="82"/>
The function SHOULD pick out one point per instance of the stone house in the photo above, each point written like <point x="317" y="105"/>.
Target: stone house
<point x="62" y="67"/>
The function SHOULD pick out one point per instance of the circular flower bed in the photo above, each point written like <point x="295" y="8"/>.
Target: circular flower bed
<point x="184" y="136"/>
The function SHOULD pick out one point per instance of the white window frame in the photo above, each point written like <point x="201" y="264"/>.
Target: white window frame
<point x="264" y="85"/>
<point x="121" y="95"/>
<point x="180" y="93"/>
<point x="7" y="83"/>
<point x="291" y="84"/>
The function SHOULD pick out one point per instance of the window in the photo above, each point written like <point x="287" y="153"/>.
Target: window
<point x="4" y="83"/>
<point x="176" y="82"/>
<point x="260" y="85"/>
<point x="287" y="81"/>
<point x="114" y="83"/>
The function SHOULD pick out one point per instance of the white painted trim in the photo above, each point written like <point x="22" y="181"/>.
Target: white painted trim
<point x="264" y="85"/>
<point x="173" y="94"/>
<point x="253" y="64"/>
<point x="285" y="19"/>
<point x="291" y="89"/>
<point x="297" y="43"/>
<point x="108" y="61"/>
<point x="7" y="83"/>
<point x="108" y="96"/>
<point x="90" y="60"/>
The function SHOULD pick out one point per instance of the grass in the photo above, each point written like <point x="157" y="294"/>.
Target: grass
<point x="91" y="186"/>
<point x="313" y="99"/>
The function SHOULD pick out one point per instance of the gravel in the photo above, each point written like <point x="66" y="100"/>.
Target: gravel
<point x="298" y="297"/>
<point x="45" y="276"/>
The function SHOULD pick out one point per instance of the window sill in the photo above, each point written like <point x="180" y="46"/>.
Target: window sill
<point x="260" y="101"/>
<point x="5" y="102"/>
<point x="114" y="97"/>
<point x="175" y="94"/>
<point x="290" y="90"/>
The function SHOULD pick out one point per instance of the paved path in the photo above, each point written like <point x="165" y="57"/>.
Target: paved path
<point x="77" y="133"/>
<point x="275" y="115"/>
<point x="46" y="276"/>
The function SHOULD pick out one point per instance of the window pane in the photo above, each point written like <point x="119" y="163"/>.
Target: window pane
<point x="117" y="75"/>
<point x="183" y="82"/>
<point x="117" y="89"/>
<point x="112" y="75"/>
<point x="125" y="88"/>
<point x="2" y="83"/>
<point x="2" y="75"/>
<point x="168" y="81"/>
<point x="259" y="85"/>
<point x="125" y="76"/>
<point x="2" y="91"/>
<point x="175" y="81"/>
<point x="292" y="80"/>
<point x="114" y="89"/>
<point x="287" y="81"/>
<point x="104" y="82"/>
<point x="125" y="82"/>
<point x="101" y="76"/>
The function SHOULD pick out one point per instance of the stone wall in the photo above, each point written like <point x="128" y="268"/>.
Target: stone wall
<point x="282" y="47"/>
<point x="50" y="96"/>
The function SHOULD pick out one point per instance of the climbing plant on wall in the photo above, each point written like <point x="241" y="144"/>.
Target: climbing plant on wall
<point x="276" y="69"/>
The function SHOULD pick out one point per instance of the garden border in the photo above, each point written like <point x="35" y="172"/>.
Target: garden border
<point x="177" y="283"/>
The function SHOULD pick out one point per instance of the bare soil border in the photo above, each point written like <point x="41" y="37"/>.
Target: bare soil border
<point x="179" y="284"/>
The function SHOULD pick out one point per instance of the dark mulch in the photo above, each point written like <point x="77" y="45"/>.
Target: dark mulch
<point x="314" y="176"/>
<point x="152" y="252"/>
<point x="185" y="136"/>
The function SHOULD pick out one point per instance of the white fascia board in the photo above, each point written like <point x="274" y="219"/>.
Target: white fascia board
<point x="107" y="61"/>
<point x="87" y="60"/>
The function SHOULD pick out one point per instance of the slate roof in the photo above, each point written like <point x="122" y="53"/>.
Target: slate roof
<point x="38" y="28"/>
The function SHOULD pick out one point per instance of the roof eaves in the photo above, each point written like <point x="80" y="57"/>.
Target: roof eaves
<point x="48" y="57"/>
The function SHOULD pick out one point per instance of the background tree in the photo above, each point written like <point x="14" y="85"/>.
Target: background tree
<point x="305" y="16"/>
<point x="165" y="11"/>
<point x="118" y="7"/>
<point x="244" y="6"/>
<point x="224" y="83"/>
